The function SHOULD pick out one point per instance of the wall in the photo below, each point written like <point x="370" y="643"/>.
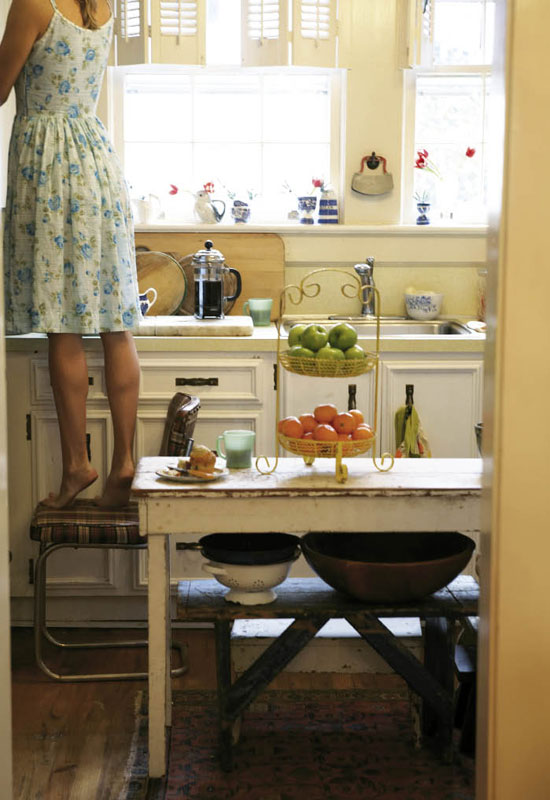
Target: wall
<point x="514" y="707"/>
<point x="442" y="259"/>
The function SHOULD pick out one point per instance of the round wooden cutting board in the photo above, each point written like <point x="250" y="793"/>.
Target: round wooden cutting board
<point x="165" y="274"/>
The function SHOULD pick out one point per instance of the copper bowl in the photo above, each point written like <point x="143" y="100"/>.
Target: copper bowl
<point x="387" y="567"/>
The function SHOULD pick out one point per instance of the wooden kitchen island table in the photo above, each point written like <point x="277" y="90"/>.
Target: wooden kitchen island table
<point x="416" y="495"/>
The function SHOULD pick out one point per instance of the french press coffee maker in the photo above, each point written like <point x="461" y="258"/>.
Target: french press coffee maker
<point x="208" y="271"/>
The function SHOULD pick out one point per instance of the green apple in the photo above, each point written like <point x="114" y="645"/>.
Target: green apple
<point x="295" y="334"/>
<point x="314" y="337"/>
<point x="342" y="336"/>
<point x="354" y="352"/>
<point x="332" y="353"/>
<point x="300" y="352"/>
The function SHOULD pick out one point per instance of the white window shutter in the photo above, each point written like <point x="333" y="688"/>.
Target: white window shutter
<point x="314" y="33"/>
<point x="424" y="33"/>
<point x="178" y="31"/>
<point x="264" y="33"/>
<point x="132" y="38"/>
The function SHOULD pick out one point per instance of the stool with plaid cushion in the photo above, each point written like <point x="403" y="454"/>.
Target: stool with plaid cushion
<point x="85" y="525"/>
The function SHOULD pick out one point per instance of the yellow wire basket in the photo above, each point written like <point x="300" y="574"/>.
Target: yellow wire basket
<point x="312" y="448"/>
<point x="327" y="368"/>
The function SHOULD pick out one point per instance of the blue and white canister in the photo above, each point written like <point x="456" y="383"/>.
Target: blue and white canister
<point x="328" y="208"/>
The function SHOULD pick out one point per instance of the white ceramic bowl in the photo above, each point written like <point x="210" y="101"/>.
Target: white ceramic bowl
<point x="423" y="305"/>
<point x="249" y="584"/>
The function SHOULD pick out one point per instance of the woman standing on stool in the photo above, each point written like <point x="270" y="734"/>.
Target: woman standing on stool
<point x="69" y="255"/>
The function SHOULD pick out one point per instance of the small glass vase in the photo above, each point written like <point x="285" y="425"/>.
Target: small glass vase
<point x="306" y="209"/>
<point x="423" y="211"/>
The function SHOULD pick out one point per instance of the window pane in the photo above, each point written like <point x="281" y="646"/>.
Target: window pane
<point x="463" y="31"/>
<point x="295" y="164"/>
<point x="152" y="168"/>
<point x="296" y="108"/>
<point x="450" y="121"/>
<point x="246" y="131"/>
<point x="449" y="108"/>
<point x="227" y="108"/>
<point x="231" y="167"/>
<point x="157" y="108"/>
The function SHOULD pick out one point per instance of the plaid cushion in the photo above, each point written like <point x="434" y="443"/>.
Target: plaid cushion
<point x="86" y="523"/>
<point x="180" y="424"/>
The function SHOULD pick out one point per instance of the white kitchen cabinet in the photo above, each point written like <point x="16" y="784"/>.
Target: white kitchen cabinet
<point x="236" y="391"/>
<point x="447" y="396"/>
<point x="300" y="393"/>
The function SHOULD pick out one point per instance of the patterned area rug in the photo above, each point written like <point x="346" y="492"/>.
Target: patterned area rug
<point x="298" y="745"/>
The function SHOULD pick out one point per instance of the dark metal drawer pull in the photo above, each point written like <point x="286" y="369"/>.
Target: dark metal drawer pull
<point x="197" y="382"/>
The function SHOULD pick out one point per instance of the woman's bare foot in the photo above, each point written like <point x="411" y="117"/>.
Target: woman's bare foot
<point x="71" y="485"/>
<point x="117" y="489"/>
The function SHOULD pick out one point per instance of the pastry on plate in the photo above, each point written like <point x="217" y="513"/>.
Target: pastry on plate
<point x="202" y="459"/>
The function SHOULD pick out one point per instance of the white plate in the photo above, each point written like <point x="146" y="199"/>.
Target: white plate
<point x="170" y="475"/>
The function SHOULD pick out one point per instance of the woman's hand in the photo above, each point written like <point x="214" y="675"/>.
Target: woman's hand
<point x="27" y="21"/>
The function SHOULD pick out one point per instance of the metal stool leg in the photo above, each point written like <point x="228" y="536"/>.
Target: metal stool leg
<point x="41" y="630"/>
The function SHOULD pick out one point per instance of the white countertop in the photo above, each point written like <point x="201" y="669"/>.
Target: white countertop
<point x="263" y="339"/>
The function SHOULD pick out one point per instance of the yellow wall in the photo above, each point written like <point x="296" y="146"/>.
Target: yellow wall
<point x="514" y="708"/>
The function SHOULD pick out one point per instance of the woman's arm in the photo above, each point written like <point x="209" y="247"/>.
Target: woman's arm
<point x="27" y="21"/>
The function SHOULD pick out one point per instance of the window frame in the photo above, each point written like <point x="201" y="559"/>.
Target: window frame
<point x="484" y="71"/>
<point x="337" y="82"/>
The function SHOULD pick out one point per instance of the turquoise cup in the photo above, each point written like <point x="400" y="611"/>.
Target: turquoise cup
<point x="236" y="448"/>
<point x="259" y="308"/>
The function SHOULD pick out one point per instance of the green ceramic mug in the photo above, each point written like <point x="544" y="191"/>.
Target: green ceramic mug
<point x="259" y="308"/>
<point x="236" y="448"/>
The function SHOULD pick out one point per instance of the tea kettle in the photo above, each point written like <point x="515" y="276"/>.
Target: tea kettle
<point x="208" y="271"/>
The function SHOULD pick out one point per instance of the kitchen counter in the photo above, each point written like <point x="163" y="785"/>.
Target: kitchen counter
<point x="262" y="340"/>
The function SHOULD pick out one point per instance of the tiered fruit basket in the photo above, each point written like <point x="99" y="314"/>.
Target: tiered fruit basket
<point x="310" y="448"/>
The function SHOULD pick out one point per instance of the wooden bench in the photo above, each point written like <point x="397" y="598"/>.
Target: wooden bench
<point x="310" y="603"/>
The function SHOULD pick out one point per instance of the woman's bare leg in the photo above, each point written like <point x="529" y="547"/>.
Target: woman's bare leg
<point x="69" y="379"/>
<point x="122" y="382"/>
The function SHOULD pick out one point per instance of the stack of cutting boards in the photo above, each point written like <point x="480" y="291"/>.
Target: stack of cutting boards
<point x="259" y="257"/>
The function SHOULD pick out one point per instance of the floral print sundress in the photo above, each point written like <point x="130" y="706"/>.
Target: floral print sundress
<point x="69" y="254"/>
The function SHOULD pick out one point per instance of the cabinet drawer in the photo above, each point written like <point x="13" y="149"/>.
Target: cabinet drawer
<point x="42" y="390"/>
<point x="219" y="380"/>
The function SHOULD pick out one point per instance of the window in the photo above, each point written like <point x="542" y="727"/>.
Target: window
<point x="450" y="112"/>
<point x="249" y="132"/>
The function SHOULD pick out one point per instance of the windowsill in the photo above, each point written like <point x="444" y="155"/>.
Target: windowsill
<point x="295" y="229"/>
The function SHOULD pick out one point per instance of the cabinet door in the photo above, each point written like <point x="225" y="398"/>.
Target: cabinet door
<point x="300" y="394"/>
<point x="447" y="396"/>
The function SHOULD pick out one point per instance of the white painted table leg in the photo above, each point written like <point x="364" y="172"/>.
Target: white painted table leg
<point x="159" y="686"/>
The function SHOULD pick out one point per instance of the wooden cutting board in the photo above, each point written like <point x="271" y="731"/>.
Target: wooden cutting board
<point x="259" y="257"/>
<point x="163" y="273"/>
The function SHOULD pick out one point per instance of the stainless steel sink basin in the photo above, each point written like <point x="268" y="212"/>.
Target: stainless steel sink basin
<point x="392" y="326"/>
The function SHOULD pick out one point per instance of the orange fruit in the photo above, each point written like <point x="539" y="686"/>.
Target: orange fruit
<point x="308" y="435"/>
<point x="358" y="415"/>
<point x="308" y="421"/>
<point x="325" y="433"/>
<point x="363" y="432"/>
<point x="344" y="422"/>
<point x="280" y="425"/>
<point x="292" y="427"/>
<point x="344" y="437"/>
<point x="325" y="413"/>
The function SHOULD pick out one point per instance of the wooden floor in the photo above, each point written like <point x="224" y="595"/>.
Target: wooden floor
<point x="71" y="741"/>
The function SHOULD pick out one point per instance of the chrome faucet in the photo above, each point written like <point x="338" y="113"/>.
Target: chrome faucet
<point x="366" y="274"/>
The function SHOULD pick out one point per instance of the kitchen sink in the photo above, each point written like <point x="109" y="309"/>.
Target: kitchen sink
<point x="366" y="328"/>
